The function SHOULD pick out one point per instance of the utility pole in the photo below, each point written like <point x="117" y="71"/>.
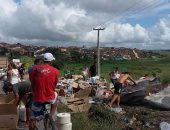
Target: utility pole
<point x="98" y="50"/>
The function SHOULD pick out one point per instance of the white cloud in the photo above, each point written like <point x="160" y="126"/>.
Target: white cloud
<point x="121" y="33"/>
<point x="161" y="31"/>
<point x="71" y="20"/>
<point x="7" y="7"/>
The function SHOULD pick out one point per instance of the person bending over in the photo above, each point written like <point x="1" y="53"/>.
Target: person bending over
<point x="118" y="88"/>
<point x="22" y="91"/>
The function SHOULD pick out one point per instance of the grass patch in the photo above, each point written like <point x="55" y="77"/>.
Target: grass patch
<point x="137" y="68"/>
<point x="98" y="118"/>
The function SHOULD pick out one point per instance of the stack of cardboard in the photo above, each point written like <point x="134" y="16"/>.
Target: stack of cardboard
<point x="8" y="113"/>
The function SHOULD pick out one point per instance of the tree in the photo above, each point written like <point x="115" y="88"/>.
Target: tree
<point x="75" y="56"/>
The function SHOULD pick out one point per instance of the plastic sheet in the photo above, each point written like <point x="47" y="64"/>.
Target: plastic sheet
<point x="164" y="126"/>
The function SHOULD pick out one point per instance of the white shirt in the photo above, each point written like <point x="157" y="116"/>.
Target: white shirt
<point x="15" y="76"/>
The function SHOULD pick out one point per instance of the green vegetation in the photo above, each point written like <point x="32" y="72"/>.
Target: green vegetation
<point x="138" y="68"/>
<point x="98" y="118"/>
<point x="27" y="60"/>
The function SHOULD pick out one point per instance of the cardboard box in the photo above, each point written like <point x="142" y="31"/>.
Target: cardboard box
<point x="8" y="113"/>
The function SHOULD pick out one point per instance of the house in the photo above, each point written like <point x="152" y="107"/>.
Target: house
<point x="3" y="61"/>
<point x="118" y="57"/>
<point x="127" y="57"/>
<point x="63" y="49"/>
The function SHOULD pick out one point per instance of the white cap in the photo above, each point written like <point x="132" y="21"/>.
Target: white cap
<point x="48" y="57"/>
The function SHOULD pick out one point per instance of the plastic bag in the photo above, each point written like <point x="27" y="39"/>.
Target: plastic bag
<point x="164" y="126"/>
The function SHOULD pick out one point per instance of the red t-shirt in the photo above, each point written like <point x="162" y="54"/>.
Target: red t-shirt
<point x="44" y="79"/>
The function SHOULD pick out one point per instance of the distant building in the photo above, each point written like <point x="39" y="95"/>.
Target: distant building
<point x="118" y="57"/>
<point x="63" y="49"/>
<point x="3" y="61"/>
<point x="127" y="57"/>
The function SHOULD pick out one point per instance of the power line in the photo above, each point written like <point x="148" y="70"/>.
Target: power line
<point x="133" y="11"/>
<point x="128" y="9"/>
<point x="149" y="6"/>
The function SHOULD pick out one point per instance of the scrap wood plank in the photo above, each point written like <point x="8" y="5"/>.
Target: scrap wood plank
<point x="78" y="104"/>
<point x="80" y="107"/>
<point x="75" y="100"/>
<point x="83" y="93"/>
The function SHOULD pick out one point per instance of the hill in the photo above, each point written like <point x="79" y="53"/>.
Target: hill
<point x="77" y="53"/>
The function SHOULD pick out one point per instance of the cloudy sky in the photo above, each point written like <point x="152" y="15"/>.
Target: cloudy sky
<point x="143" y="24"/>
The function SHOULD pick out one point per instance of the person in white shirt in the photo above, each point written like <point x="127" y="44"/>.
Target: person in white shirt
<point x="114" y="75"/>
<point x="85" y="73"/>
<point x="13" y="74"/>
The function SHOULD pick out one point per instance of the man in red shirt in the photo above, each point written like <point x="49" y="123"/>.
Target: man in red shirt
<point x="44" y="78"/>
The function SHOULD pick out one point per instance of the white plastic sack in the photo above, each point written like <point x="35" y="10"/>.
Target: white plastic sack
<point x="167" y="90"/>
<point x="22" y="112"/>
<point x="99" y="93"/>
<point x="117" y="110"/>
<point x="164" y="126"/>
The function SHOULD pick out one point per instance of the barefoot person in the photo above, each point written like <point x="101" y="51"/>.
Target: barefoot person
<point x="118" y="87"/>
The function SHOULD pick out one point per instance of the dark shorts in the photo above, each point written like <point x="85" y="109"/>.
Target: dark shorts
<point x="29" y="102"/>
<point x="118" y="88"/>
<point x="113" y="81"/>
<point x="37" y="110"/>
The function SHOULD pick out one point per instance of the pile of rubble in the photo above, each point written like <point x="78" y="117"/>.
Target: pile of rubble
<point x="79" y="96"/>
<point x="76" y="92"/>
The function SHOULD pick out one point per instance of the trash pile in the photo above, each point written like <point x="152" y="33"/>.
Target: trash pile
<point x="76" y="91"/>
<point x="79" y="96"/>
<point x="160" y="100"/>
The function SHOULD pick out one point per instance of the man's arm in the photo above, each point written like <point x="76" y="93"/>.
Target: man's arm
<point x="10" y="75"/>
<point x="132" y="80"/>
<point x="16" y="98"/>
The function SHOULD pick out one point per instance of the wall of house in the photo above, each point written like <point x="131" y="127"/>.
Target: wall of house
<point x="3" y="61"/>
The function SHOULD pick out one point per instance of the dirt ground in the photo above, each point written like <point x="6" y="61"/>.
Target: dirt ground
<point x="141" y="118"/>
